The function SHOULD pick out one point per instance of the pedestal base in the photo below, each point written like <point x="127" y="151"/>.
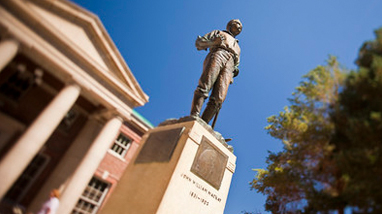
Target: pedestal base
<point x="180" y="168"/>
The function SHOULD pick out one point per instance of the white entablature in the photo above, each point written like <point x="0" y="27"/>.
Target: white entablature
<point x="72" y="41"/>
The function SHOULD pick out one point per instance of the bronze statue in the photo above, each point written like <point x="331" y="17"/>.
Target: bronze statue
<point x="219" y="68"/>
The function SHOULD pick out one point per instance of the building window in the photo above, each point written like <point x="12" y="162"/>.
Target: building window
<point x="92" y="198"/>
<point x="29" y="175"/>
<point x="17" y="84"/>
<point x="68" y="120"/>
<point x="121" y="145"/>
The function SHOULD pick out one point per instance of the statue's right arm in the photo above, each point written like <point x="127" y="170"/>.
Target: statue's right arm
<point x="201" y="43"/>
<point x="209" y="40"/>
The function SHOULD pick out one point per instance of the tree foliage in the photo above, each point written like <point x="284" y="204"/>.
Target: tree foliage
<point x="332" y="137"/>
<point x="358" y="130"/>
<point x="302" y="168"/>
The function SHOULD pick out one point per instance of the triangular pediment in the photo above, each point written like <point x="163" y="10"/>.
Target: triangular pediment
<point x="82" y="32"/>
<point x="74" y="32"/>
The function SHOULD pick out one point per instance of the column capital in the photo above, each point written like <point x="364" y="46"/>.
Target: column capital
<point x="71" y="82"/>
<point x="8" y="50"/>
<point x="107" y="114"/>
<point x="118" y="118"/>
<point x="10" y="40"/>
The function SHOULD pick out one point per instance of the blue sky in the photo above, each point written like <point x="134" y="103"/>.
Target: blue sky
<point x="281" y="41"/>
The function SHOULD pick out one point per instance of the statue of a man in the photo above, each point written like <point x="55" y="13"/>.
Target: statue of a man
<point x="219" y="68"/>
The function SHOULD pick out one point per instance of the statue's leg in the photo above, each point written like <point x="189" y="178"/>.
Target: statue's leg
<point x="211" y="109"/>
<point x="206" y="81"/>
<point x="197" y="102"/>
<point x="219" y="91"/>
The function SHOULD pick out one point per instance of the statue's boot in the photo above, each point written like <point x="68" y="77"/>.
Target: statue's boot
<point x="197" y="104"/>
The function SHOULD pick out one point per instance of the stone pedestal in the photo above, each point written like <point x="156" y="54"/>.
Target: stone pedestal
<point x="182" y="167"/>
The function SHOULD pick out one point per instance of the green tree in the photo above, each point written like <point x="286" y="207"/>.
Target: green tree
<point x="358" y="130"/>
<point x="302" y="170"/>
<point x="332" y="136"/>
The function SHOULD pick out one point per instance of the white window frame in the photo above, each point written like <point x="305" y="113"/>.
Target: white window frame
<point x="86" y="199"/>
<point x="119" y="145"/>
<point x="19" y="73"/>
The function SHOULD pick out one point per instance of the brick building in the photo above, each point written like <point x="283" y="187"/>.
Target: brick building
<point x="67" y="100"/>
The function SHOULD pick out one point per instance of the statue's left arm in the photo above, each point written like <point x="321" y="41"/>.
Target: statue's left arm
<point x="232" y="45"/>
<point x="236" y="68"/>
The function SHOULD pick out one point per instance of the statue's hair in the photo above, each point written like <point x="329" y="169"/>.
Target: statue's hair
<point x="231" y="23"/>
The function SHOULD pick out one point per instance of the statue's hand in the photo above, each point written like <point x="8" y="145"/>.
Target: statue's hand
<point x="236" y="72"/>
<point x="220" y="38"/>
<point x="217" y="40"/>
<point x="201" y="43"/>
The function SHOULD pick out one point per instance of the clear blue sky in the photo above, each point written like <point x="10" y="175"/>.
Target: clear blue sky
<point x="281" y="41"/>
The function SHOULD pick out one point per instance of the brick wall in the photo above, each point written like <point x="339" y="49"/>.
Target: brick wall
<point x="112" y="166"/>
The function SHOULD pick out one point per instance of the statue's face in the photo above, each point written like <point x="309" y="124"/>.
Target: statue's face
<point x="236" y="28"/>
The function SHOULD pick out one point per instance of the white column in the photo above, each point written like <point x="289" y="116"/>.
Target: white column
<point x="8" y="50"/>
<point x="88" y="166"/>
<point x="68" y="164"/>
<point x="28" y="145"/>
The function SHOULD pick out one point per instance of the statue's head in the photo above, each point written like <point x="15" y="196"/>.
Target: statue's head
<point x="234" y="26"/>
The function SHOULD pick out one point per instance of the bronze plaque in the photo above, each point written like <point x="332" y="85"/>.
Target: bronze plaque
<point x="209" y="163"/>
<point x="160" y="146"/>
